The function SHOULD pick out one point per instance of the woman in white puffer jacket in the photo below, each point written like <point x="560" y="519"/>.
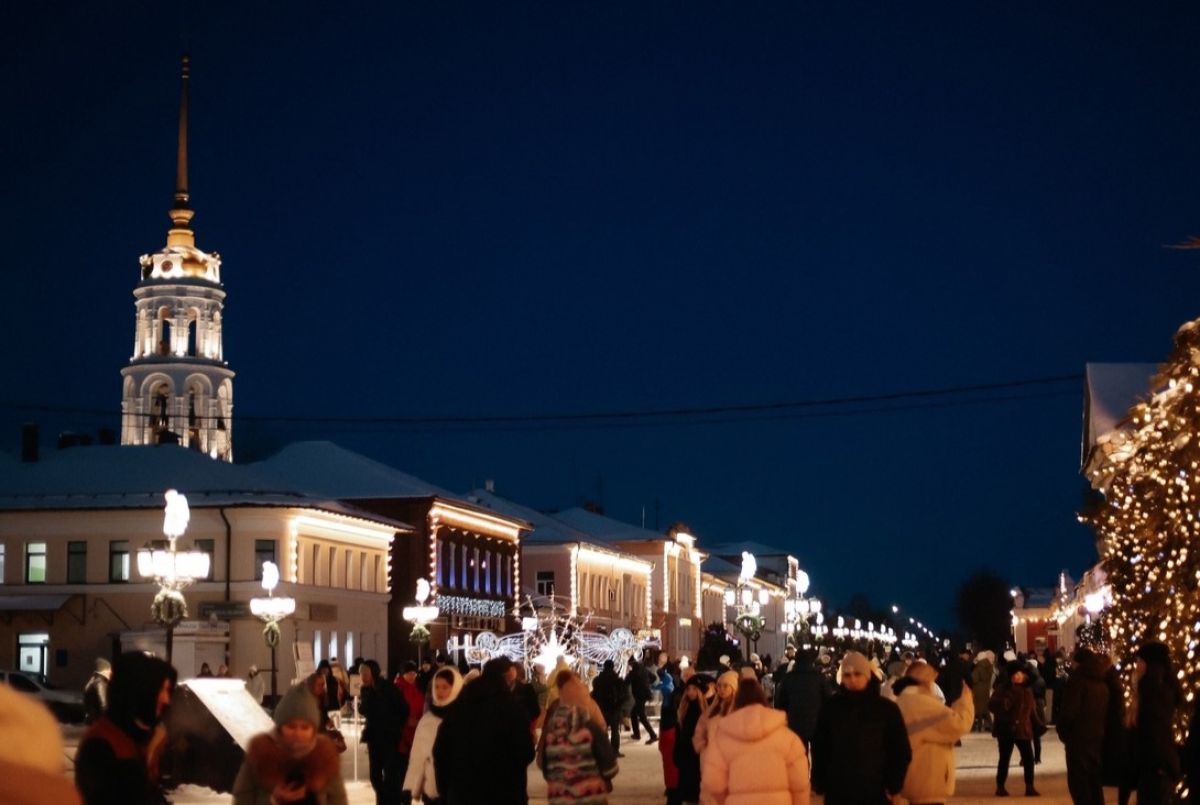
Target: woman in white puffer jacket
<point x="752" y="757"/>
<point x="420" y="780"/>
<point x="933" y="729"/>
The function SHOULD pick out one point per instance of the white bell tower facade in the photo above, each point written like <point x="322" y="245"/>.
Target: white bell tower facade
<point x="177" y="387"/>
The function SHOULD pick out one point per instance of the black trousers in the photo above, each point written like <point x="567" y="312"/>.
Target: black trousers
<point x="1083" y="777"/>
<point x="386" y="778"/>
<point x="638" y="715"/>
<point x="1025" y="748"/>
<point x="614" y="729"/>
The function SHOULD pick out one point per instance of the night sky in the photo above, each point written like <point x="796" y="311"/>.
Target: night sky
<point x="437" y="209"/>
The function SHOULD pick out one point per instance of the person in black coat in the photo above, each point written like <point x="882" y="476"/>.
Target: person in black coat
<point x="639" y="684"/>
<point x="1016" y="720"/>
<point x="861" y="750"/>
<point x="116" y="760"/>
<point x="1158" y="759"/>
<point x="687" y="760"/>
<point x="384" y="713"/>
<point x="607" y="690"/>
<point x="800" y="693"/>
<point x="1082" y="719"/>
<point x="484" y="747"/>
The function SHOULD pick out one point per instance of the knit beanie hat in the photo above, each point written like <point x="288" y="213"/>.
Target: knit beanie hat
<point x="729" y="678"/>
<point x="298" y="703"/>
<point x="853" y="661"/>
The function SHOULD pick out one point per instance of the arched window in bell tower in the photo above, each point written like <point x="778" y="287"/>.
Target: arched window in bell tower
<point x="195" y="417"/>
<point x="164" y="331"/>
<point x="193" y="324"/>
<point x="160" y="413"/>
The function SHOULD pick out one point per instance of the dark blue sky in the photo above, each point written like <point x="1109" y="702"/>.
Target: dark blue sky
<point x="454" y="209"/>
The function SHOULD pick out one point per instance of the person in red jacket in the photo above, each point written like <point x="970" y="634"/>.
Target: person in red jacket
<point x="415" y="699"/>
<point x="668" y="728"/>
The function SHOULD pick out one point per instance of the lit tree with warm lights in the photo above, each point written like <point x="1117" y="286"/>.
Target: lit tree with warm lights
<point x="1149" y="519"/>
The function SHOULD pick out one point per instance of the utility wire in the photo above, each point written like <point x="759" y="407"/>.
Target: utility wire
<point x="681" y="413"/>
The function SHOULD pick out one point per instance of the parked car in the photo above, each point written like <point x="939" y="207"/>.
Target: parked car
<point x="66" y="705"/>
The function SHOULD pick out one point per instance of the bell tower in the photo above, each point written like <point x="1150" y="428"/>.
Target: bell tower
<point x="177" y="387"/>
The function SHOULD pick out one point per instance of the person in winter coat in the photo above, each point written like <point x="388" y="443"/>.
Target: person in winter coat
<point x="1082" y="718"/>
<point x="639" y="681"/>
<point x="668" y="731"/>
<point x="933" y="729"/>
<point x="800" y="693"/>
<point x="687" y="760"/>
<point x="1157" y="697"/>
<point x="31" y="755"/>
<point x="607" y="691"/>
<point x="95" y="692"/>
<point x="721" y="706"/>
<point x="1015" y="720"/>
<point x="116" y="761"/>
<point x="981" y="688"/>
<point x="1037" y="684"/>
<point x="294" y="762"/>
<point x="860" y="750"/>
<point x="752" y="757"/>
<point x="1119" y="764"/>
<point x="574" y="754"/>
<point x="384" y="713"/>
<point x="483" y="748"/>
<point x="421" y="779"/>
<point x="406" y="683"/>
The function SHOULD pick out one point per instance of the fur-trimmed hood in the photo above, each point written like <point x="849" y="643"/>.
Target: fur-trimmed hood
<point x="270" y="762"/>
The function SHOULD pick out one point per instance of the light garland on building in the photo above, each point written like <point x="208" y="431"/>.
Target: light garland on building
<point x="471" y="607"/>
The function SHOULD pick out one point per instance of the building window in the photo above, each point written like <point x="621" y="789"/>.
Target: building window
<point x="545" y="582"/>
<point x="1" y="563"/>
<point x="209" y="547"/>
<point x="77" y="562"/>
<point x="35" y="563"/>
<point x="264" y="551"/>
<point x="118" y="560"/>
<point x="317" y="646"/>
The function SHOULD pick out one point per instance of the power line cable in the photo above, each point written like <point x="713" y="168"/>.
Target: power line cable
<point x="679" y="413"/>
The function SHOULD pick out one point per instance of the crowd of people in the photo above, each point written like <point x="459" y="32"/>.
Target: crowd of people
<point x="854" y="729"/>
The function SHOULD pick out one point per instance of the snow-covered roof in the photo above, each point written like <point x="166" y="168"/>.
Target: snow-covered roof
<point x="735" y="549"/>
<point x="1112" y="389"/>
<point x="720" y="567"/>
<point x="605" y="529"/>
<point x="134" y="477"/>
<point x="326" y="469"/>
<point x="546" y="528"/>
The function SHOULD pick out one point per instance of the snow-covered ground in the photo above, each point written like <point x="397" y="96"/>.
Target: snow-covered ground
<point x="640" y="780"/>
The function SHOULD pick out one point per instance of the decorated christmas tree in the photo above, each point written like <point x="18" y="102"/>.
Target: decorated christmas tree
<point x="1149" y="518"/>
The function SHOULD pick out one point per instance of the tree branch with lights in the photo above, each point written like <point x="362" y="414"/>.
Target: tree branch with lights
<point x="1148" y="520"/>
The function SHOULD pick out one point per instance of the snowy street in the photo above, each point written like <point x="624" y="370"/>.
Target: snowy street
<point x="640" y="779"/>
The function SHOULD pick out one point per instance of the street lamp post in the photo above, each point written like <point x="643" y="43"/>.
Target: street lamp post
<point x="420" y="616"/>
<point x="272" y="610"/>
<point x="172" y="569"/>
<point x="748" y="619"/>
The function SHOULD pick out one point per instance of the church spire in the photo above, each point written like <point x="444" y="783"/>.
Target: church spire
<point x="180" y="233"/>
